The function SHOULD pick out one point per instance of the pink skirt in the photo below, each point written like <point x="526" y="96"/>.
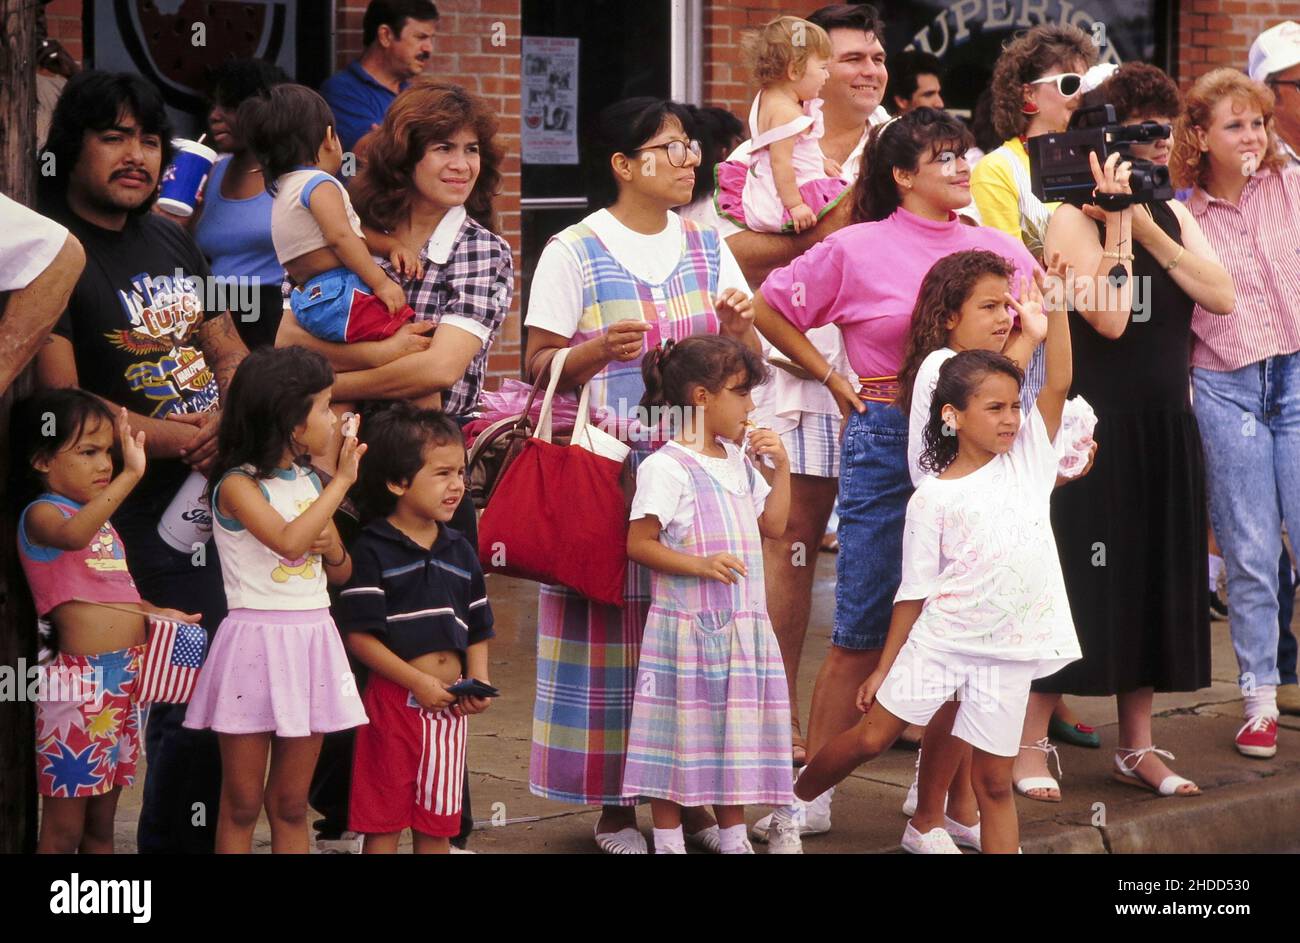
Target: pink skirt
<point x="821" y="196"/>
<point x="276" y="672"/>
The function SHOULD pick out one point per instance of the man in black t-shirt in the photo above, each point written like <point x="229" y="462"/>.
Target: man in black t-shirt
<point x="136" y="333"/>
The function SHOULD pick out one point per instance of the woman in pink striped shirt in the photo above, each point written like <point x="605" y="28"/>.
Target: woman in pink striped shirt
<point x="1246" y="367"/>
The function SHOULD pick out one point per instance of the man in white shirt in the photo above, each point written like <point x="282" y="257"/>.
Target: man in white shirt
<point x="40" y="262"/>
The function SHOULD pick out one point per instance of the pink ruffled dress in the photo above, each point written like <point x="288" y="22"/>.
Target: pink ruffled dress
<point x="747" y="194"/>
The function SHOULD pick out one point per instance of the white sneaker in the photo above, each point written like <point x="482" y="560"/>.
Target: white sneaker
<point x="816" y="818"/>
<point x="965" y="836"/>
<point x="783" y="837"/>
<point x="934" y="842"/>
<point x="348" y="843"/>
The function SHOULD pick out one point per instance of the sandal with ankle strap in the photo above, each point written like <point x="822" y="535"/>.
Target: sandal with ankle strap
<point x="1023" y="786"/>
<point x="1126" y="773"/>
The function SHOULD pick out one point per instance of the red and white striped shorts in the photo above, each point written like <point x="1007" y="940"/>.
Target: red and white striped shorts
<point x="408" y="770"/>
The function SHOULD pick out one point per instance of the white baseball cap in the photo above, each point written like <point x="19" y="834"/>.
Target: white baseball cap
<point x="1275" y="50"/>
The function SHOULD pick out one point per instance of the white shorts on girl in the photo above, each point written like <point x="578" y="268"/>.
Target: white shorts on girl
<point x="993" y="692"/>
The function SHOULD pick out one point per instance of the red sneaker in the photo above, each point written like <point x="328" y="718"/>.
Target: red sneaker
<point x="1258" y="737"/>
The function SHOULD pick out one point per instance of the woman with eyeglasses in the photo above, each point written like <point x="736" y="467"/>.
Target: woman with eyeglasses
<point x="1036" y="88"/>
<point x="628" y="277"/>
<point x="1143" y="617"/>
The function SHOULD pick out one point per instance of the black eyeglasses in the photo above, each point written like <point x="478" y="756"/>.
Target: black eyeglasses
<point x="1294" y="83"/>
<point x="676" y="151"/>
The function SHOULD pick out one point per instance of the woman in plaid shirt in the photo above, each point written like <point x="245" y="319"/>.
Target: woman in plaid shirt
<point x="437" y="213"/>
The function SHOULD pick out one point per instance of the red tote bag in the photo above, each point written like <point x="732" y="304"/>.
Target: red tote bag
<point x="558" y="513"/>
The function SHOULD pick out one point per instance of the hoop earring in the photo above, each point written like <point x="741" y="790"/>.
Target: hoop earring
<point x="1029" y="108"/>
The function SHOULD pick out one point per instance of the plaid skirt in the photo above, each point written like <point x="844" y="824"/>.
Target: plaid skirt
<point x="587" y="656"/>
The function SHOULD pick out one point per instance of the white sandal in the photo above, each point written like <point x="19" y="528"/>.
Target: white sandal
<point x="626" y="841"/>
<point x="1126" y="772"/>
<point x="1023" y="786"/>
<point x="706" y="839"/>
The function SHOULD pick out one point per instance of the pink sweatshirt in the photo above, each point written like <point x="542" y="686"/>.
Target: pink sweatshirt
<point x="865" y="278"/>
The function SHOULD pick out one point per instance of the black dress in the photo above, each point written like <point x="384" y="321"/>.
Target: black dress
<point x="1132" y="533"/>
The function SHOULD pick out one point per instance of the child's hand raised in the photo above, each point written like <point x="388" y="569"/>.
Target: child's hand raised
<point x="391" y="294"/>
<point x="133" y="457"/>
<point x="735" y="311"/>
<point x="867" y="693"/>
<point x="1033" y="322"/>
<point x="350" y="456"/>
<point x="832" y="167"/>
<point x="723" y="567"/>
<point x="406" y="262"/>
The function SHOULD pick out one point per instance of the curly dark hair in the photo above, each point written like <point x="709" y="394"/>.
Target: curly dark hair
<point x="944" y="290"/>
<point x="1026" y="58"/>
<point x="1136" y="88"/>
<point x="958" y="379"/>
<point x="396" y="436"/>
<point x="901" y="142"/>
<point x="425" y="113"/>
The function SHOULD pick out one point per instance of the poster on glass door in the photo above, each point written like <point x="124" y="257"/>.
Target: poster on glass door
<point x="550" y="100"/>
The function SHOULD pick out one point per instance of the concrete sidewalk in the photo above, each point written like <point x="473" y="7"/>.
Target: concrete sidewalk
<point x="1247" y="805"/>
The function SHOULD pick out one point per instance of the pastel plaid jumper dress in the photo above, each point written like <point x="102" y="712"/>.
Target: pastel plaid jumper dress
<point x="587" y="653"/>
<point x="711" y="719"/>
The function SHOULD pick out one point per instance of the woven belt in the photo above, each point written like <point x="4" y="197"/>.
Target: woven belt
<point x="878" y="389"/>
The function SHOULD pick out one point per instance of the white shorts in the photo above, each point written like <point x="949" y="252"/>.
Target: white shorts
<point x="993" y="693"/>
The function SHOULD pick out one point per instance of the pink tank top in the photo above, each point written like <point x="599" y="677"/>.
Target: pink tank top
<point x="97" y="572"/>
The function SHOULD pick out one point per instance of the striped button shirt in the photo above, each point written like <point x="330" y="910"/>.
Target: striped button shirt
<point x="415" y="599"/>
<point x="1258" y="242"/>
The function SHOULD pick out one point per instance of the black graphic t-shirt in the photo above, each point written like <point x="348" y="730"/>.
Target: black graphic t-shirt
<point x="133" y="322"/>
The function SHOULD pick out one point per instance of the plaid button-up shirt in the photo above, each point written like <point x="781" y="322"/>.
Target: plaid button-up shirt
<point x="467" y="282"/>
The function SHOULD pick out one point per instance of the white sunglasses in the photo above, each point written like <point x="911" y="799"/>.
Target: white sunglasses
<point x="1068" y="84"/>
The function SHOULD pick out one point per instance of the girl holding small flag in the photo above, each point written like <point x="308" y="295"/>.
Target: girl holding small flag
<point x="87" y="717"/>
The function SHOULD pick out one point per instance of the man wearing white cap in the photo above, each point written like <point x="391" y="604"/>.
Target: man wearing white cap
<point x="1275" y="61"/>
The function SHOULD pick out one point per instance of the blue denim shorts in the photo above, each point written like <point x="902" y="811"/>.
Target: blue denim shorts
<point x="874" y="488"/>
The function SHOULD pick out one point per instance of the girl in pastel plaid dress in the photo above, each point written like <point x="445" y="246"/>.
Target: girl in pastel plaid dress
<point x="711" y="715"/>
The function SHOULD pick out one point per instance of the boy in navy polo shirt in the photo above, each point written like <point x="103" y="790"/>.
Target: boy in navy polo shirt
<point x="416" y="614"/>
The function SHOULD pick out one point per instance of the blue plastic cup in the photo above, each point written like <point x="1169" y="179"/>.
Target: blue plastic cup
<point x="185" y="176"/>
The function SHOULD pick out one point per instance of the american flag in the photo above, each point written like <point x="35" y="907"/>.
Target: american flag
<point x="171" y="662"/>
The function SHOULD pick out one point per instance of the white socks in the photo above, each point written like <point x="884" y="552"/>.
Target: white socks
<point x="1216" y="570"/>
<point x="670" y="841"/>
<point x="734" y="841"/>
<point x="1262" y="702"/>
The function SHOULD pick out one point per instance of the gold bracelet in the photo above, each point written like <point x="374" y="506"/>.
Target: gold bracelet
<point x="1170" y="266"/>
<point x="1122" y="256"/>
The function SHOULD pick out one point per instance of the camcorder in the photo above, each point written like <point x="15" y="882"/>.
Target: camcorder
<point x="1058" y="163"/>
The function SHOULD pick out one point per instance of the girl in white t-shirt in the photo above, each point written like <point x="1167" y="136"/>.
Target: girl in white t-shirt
<point x="711" y="715"/>
<point x="982" y="609"/>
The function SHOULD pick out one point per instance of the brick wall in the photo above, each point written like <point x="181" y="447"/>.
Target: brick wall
<point x="726" y="81"/>
<point x="63" y="22"/>
<point x="463" y="52"/>
<point x="1217" y="33"/>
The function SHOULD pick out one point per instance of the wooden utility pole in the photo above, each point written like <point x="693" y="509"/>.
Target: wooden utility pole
<point x="17" y="619"/>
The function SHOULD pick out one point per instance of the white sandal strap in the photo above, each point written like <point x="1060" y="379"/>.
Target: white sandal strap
<point x="1046" y="746"/>
<point x="1136" y="756"/>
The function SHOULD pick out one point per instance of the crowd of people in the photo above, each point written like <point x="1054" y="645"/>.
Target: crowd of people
<point x="1033" y="424"/>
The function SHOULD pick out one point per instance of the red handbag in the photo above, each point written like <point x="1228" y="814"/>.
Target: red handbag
<point x="558" y="513"/>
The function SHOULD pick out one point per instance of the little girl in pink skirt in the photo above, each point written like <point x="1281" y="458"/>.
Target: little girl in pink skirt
<point x="277" y="676"/>
<point x="787" y="184"/>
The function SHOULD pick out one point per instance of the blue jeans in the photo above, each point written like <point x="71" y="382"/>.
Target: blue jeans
<point x="874" y="488"/>
<point x="1286" y="644"/>
<point x="1250" y="425"/>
